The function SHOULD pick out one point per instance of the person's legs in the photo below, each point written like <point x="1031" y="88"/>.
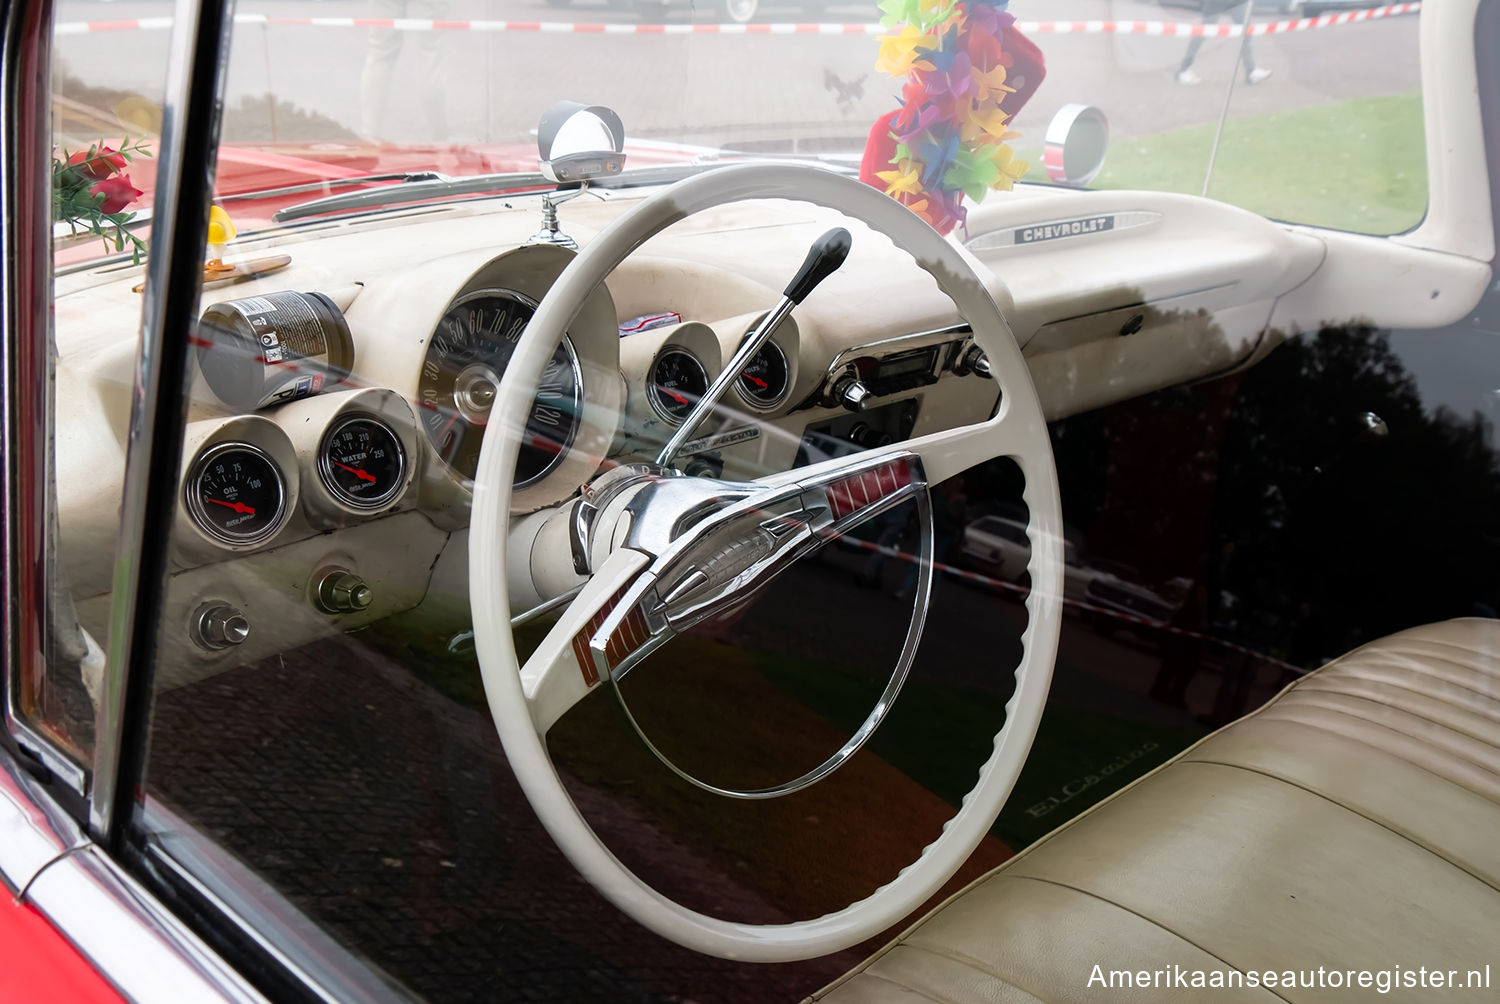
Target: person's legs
<point x="380" y="66"/>
<point x="1194" y="44"/>
<point x="434" y="79"/>
<point x="1247" y="51"/>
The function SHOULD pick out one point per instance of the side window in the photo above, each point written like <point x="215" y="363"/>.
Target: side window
<point x="100" y="172"/>
<point x="1327" y="127"/>
<point x="1323" y="125"/>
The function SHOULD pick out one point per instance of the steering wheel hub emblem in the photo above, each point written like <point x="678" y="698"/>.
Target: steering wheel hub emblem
<point x="709" y="566"/>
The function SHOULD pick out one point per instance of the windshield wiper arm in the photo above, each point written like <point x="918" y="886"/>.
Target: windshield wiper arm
<point x="327" y="184"/>
<point x="421" y="187"/>
<point x="417" y="187"/>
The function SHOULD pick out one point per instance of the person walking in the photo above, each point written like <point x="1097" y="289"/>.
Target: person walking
<point x="380" y="68"/>
<point x="1212" y="11"/>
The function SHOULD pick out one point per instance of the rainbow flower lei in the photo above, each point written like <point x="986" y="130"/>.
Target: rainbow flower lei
<point x="950" y="133"/>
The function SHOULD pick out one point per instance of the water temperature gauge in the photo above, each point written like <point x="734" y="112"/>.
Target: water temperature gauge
<point x="236" y="494"/>
<point x="362" y="463"/>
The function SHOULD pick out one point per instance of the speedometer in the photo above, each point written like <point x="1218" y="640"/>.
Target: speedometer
<point x="461" y="375"/>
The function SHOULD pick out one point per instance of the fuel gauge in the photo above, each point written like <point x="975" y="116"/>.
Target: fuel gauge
<point x="361" y="463"/>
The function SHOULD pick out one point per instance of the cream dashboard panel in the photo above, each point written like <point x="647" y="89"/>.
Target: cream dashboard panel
<point x="1202" y="275"/>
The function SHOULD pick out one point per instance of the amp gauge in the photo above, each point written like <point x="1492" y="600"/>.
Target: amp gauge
<point x="362" y="463"/>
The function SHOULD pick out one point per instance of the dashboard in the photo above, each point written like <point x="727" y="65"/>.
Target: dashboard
<point x="337" y="406"/>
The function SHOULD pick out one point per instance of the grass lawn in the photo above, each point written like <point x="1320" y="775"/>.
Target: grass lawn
<point x="1356" y="165"/>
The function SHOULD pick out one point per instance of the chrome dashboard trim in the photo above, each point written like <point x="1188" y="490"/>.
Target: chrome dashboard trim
<point x="899" y="343"/>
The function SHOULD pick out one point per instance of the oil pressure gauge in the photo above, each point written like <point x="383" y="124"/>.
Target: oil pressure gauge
<point x="362" y="463"/>
<point x="236" y="495"/>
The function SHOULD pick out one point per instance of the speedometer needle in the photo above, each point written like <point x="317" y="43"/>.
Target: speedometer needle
<point x="238" y="507"/>
<point x="362" y="475"/>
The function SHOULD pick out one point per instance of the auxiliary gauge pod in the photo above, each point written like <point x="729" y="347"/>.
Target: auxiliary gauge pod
<point x="823" y="259"/>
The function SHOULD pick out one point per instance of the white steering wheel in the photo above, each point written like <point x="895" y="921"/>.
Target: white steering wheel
<point x="603" y="626"/>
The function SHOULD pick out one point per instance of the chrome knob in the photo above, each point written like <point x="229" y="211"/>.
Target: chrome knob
<point x="852" y="394"/>
<point x="219" y="625"/>
<point x="975" y="361"/>
<point x="339" y="591"/>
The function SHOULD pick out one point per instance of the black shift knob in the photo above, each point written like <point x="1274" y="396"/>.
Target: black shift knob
<point x="823" y="259"/>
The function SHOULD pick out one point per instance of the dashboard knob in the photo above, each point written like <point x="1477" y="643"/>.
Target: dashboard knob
<point x="220" y="625"/>
<point x="852" y="394"/>
<point x="975" y="361"/>
<point x="340" y="591"/>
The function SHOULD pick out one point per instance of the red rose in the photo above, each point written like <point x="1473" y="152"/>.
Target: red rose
<point x="105" y="161"/>
<point x="117" y="193"/>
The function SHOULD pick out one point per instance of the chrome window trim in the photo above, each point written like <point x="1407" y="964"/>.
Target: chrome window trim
<point x="306" y="951"/>
<point x="34" y="830"/>
<point x="197" y="58"/>
<point x="47" y="860"/>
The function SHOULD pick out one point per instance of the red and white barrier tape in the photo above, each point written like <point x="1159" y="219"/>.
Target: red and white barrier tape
<point x="1163" y="29"/>
<point x="990" y="581"/>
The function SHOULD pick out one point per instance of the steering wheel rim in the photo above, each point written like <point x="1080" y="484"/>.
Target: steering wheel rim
<point x="1019" y="418"/>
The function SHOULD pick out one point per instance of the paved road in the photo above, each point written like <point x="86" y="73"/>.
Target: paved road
<point x="718" y="89"/>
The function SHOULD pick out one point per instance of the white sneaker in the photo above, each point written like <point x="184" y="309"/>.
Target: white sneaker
<point x="1188" y="77"/>
<point x="1258" y="74"/>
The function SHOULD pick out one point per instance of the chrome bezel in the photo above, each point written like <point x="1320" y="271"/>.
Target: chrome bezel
<point x="200" y="516"/>
<point x="325" y="464"/>
<point x="766" y="404"/>
<point x="653" y="396"/>
<point x="567" y="344"/>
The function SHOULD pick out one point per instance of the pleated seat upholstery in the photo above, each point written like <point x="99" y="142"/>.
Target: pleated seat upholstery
<point x="1352" y="823"/>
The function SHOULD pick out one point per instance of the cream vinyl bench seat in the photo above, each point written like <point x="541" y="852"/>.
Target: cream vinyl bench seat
<point x="1352" y="823"/>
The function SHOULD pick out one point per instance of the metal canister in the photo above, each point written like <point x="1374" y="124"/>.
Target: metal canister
<point x="261" y="351"/>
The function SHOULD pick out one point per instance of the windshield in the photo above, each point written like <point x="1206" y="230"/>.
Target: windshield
<point x="1313" y="120"/>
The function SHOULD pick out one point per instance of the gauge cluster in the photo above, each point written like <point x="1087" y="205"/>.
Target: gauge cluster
<point x="320" y="463"/>
<point x="343" y="454"/>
